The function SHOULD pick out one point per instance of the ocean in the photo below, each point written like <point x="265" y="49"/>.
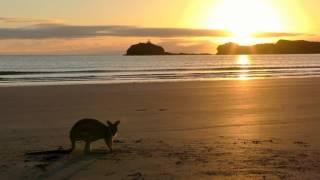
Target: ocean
<point x="59" y="70"/>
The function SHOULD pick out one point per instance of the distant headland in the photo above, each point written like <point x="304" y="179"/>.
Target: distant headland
<point x="150" y="49"/>
<point x="281" y="47"/>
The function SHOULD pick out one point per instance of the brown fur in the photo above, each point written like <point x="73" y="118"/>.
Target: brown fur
<point x="90" y="130"/>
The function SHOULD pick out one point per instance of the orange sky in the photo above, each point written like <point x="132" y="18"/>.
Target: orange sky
<point x="109" y="27"/>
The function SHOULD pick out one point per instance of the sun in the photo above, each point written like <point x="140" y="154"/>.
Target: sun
<point x="243" y="18"/>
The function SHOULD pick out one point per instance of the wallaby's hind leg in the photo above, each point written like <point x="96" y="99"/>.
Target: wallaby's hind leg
<point x="109" y="143"/>
<point x="87" y="147"/>
<point x="73" y="144"/>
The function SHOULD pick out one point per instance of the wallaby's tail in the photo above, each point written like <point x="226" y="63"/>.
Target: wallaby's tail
<point x="59" y="151"/>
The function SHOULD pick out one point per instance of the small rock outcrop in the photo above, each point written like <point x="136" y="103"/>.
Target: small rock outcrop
<point x="145" y="49"/>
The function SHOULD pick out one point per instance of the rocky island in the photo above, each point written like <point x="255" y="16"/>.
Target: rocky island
<point x="150" y="49"/>
<point x="145" y="49"/>
<point x="281" y="47"/>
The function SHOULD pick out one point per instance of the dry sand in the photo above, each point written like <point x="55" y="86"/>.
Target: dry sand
<point x="257" y="129"/>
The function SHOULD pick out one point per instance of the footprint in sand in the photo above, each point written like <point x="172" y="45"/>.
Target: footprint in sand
<point x="141" y="110"/>
<point x="136" y="176"/>
<point x="256" y="142"/>
<point x="110" y="173"/>
<point x="138" y="141"/>
<point x="118" y="141"/>
<point x="43" y="167"/>
<point x="218" y="173"/>
<point x="301" y="143"/>
<point x="4" y="166"/>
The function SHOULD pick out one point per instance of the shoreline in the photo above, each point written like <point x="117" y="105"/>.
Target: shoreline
<point x="159" y="82"/>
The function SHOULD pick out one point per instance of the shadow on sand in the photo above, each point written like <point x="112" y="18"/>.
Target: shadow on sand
<point x="62" y="163"/>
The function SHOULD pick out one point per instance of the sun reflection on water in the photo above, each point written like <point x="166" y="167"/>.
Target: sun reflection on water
<point x="243" y="76"/>
<point x="244" y="62"/>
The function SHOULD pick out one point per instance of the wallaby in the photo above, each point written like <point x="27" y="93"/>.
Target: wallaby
<point x="90" y="130"/>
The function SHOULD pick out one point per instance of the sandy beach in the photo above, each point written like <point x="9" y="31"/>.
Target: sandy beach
<point x="255" y="129"/>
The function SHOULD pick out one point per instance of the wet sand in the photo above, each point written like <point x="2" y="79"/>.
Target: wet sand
<point x="183" y="130"/>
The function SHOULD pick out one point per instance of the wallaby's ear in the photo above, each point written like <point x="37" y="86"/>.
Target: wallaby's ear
<point x="117" y="123"/>
<point x="109" y="123"/>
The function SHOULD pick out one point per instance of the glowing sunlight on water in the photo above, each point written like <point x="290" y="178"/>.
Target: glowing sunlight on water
<point x="243" y="60"/>
<point x="243" y="76"/>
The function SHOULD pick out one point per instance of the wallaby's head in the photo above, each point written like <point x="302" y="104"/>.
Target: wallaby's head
<point x="113" y="127"/>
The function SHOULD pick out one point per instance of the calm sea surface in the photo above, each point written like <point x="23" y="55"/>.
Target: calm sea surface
<point x="50" y="70"/>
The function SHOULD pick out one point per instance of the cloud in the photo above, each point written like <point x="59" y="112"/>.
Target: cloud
<point x="64" y="31"/>
<point x="107" y="45"/>
<point x="279" y="34"/>
<point x="188" y="46"/>
<point x="169" y="32"/>
<point x="47" y="31"/>
<point x="13" y="20"/>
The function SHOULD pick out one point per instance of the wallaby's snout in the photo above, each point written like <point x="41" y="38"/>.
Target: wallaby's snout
<point x="113" y="127"/>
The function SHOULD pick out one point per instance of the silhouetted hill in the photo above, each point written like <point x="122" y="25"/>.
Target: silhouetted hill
<point x="281" y="47"/>
<point x="148" y="49"/>
<point x="145" y="49"/>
